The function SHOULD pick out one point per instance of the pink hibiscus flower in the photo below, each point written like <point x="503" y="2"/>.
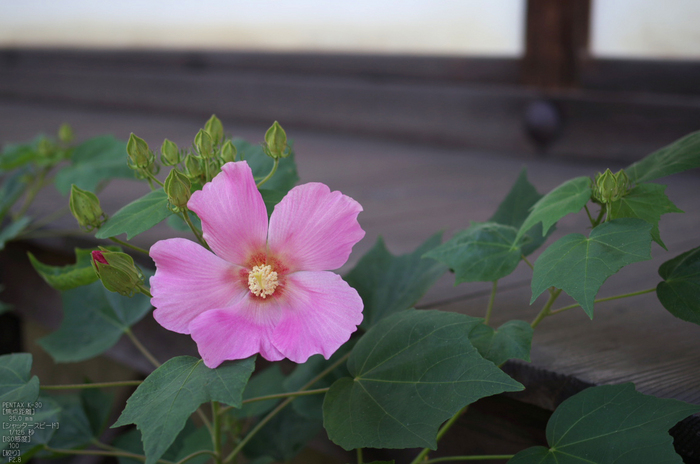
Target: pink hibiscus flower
<point x="263" y="290"/>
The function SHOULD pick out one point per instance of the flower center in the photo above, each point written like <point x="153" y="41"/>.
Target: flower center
<point x="262" y="281"/>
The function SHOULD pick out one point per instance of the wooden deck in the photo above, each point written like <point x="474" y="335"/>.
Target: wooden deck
<point x="410" y="191"/>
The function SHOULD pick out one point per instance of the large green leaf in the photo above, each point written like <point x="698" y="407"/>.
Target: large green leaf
<point x="569" y="197"/>
<point x="579" y="265"/>
<point x="161" y="405"/>
<point x="93" y="161"/>
<point x="681" y="155"/>
<point x="176" y="222"/>
<point x="47" y="414"/>
<point x="515" y="208"/>
<point x="484" y="252"/>
<point x="138" y="216"/>
<point x="389" y="283"/>
<point x="645" y="201"/>
<point x="12" y="188"/>
<point x="611" y="424"/>
<point x="512" y="340"/>
<point x="679" y="293"/>
<point x="191" y="439"/>
<point x="267" y="382"/>
<point x="284" y="436"/>
<point x="17" y="387"/>
<point x="13" y="230"/>
<point x="283" y="180"/>
<point x="70" y="276"/>
<point x="93" y="321"/>
<point x="14" y="156"/>
<point x="410" y="372"/>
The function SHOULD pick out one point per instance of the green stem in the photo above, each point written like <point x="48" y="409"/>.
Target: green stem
<point x="281" y="406"/>
<point x="51" y="233"/>
<point x="124" y="454"/>
<point x="600" y="215"/>
<point x="128" y="245"/>
<point x="590" y="218"/>
<point x="194" y="455"/>
<point x="141" y="348"/>
<point x="553" y="295"/>
<point x="600" y="300"/>
<point x="279" y="396"/>
<point x="150" y="177"/>
<point x="122" y="383"/>
<point x="272" y="173"/>
<point x="359" y="456"/>
<point x="197" y="234"/>
<point x="489" y="308"/>
<point x="443" y="430"/>
<point x="48" y="219"/>
<point x="31" y="193"/>
<point x="216" y="431"/>
<point x="483" y="457"/>
<point x="527" y="262"/>
<point x="143" y="289"/>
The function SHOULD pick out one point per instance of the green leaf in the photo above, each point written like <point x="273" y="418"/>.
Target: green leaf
<point x="647" y="202"/>
<point x="176" y="222"/>
<point x="283" y="180"/>
<point x="611" y="424"/>
<point x="93" y="161"/>
<point x="267" y="382"/>
<point x="515" y="208"/>
<point x="70" y="276"/>
<point x="410" y="373"/>
<point x="161" y="405"/>
<point x="389" y="283"/>
<point x="188" y="441"/>
<point x="579" y="265"/>
<point x="138" y="216"/>
<point x="679" y="293"/>
<point x="569" y="197"/>
<point x="74" y="429"/>
<point x="284" y="436"/>
<point x="484" y="252"/>
<point x="16" y="155"/>
<point x="12" y="188"/>
<point x="16" y="385"/>
<point x="93" y="321"/>
<point x="681" y="155"/>
<point x="512" y="340"/>
<point x="13" y="230"/>
<point x="47" y="411"/>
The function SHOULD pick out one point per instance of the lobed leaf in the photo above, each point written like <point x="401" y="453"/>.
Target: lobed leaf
<point x="512" y="340"/>
<point x="409" y="373"/>
<point x="93" y="321"/>
<point x="138" y="216"/>
<point x="161" y="405"/>
<point x="389" y="283"/>
<point x="647" y="202"/>
<point x="569" y="197"/>
<point x="611" y="424"/>
<point x="579" y="265"/>
<point x="93" y="161"/>
<point x="482" y="253"/>
<point x="267" y="382"/>
<point x="681" y="155"/>
<point x="679" y="293"/>
<point x="16" y="385"/>
<point x="188" y="441"/>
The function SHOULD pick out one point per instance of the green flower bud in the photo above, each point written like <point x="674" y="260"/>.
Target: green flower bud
<point x="276" y="142"/>
<point x="623" y="183"/>
<point x="65" y="133"/>
<point x="609" y="187"/>
<point x="117" y="271"/>
<point x="169" y="153"/>
<point x="215" y="129"/>
<point x="45" y="148"/>
<point x="85" y="206"/>
<point x="228" y="152"/>
<point x="178" y="188"/>
<point x="204" y="144"/>
<point x="194" y="166"/>
<point x="140" y="156"/>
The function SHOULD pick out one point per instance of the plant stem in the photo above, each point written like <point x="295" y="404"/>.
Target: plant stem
<point x="197" y="234"/>
<point x="142" y="348"/>
<point x="278" y="396"/>
<point x="590" y="218"/>
<point x="194" y="455"/>
<point x="443" y="430"/>
<point x="48" y="219"/>
<point x="483" y="457"/>
<point x="281" y="406"/>
<point x="31" y="193"/>
<point x="124" y="454"/>
<point x="547" y="307"/>
<point x="216" y="431"/>
<point x="142" y="288"/>
<point x="359" y="456"/>
<point x="128" y="245"/>
<point x="527" y="262"/>
<point x="122" y="383"/>
<point x="600" y="300"/>
<point x="272" y="172"/>
<point x="600" y="215"/>
<point x="489" y="308"/>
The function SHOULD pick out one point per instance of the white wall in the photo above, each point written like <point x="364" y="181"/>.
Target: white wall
<point x="491" y="27"/>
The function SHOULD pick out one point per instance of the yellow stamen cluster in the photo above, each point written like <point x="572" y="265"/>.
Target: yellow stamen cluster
<point x="262" y="281"/>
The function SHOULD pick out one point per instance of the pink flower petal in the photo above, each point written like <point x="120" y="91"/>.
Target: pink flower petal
<point x="233" y="214"/>
<point x="237" y="332"/>
<point x="314" y="229"/>
<point x="319" y="312"/>
<point x="190" y="280"/>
